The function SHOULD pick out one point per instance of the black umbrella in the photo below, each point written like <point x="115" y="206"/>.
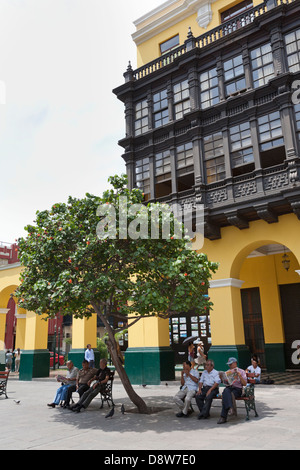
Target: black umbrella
<point x="190" y="338"/>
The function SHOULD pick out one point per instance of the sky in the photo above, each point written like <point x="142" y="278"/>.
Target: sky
<point x="60" y="123"/>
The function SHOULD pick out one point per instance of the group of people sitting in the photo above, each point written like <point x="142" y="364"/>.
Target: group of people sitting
<point x="88" y="382"/>
<point x="206" y="387"/>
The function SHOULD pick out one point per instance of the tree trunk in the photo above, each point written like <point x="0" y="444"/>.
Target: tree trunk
<point x="112" y="346"/>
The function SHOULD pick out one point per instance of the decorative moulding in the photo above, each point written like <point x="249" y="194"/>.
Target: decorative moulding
<point x="204" y="15"/>
<point x="230" y="282"/>
<point x="170" y="13"/>
<point x="4" y="311"/>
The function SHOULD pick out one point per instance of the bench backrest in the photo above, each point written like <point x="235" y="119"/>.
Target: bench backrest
<point x="4" y="375"/>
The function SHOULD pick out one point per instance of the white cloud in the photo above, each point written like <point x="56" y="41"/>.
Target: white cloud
<point x="59" y="129"/>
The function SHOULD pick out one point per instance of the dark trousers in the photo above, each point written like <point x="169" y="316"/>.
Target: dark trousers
<point x="81" y="389"/>
<point x="204" y="402"/>
<point x="227" y="399"/>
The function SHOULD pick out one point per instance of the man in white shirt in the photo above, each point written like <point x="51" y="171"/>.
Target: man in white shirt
<point x="255" y="369"/>
<point x="189" y="387"/>
<point x="90" y="356"/>
<point x="208" y="389"/>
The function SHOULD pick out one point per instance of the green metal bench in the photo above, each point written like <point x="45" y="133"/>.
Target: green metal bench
<point x="248" y="396"/>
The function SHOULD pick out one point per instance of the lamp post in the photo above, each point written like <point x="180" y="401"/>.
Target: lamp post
<point x="58" y="347"/>
<point x="54" y="349"/>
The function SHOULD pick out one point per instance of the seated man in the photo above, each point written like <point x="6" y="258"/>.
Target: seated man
<point x="102" y="377"/>
<point x="189" y="387"/>
<point x="255" y="369"/>
<point x="235" y="387"/>
<point x="208" y="389"/>
<point x="83" y="381"/>
<point x="67" y="381"/>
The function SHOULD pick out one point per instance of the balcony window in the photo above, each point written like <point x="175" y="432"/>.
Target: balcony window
<point x="214" y="157"/>
<point x="234" y="75"/>
<point x="142" y="176"/>
<point x="270" y="131"/>
<point x="185" y="166"/>
<point x="160" y="108"/>
<point x="209" y="88"/>
<point x="181" y="99"/>
<point x="170" y="44"/>
<point x="262" y="65"/>
<point x="292" y="44"/>
<point x="242" y="159"/>
<point x="236" y="10"/>
<point x="163" y="186"/>
<point x="272" y="150"/>
<point x="141" y="118"/>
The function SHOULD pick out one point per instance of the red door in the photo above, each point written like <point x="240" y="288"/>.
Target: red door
<point x="10" y="324"/>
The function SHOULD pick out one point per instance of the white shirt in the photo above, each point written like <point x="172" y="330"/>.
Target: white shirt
<point x="89" y="355"/>
<point x="256" y="371"/>
<point x="208" y="379"/>
<point x="189" y="383"/>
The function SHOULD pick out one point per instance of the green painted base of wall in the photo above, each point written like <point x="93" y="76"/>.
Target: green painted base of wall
<point x="275" y="357"/>
<point x="77" y="356"/>
<point x="34" y="364"/>
<point x="150" y="366"/>
<point x="2" y="367"/>
<point x="221" y="354"/>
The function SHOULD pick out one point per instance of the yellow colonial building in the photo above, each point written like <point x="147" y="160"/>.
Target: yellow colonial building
<point x="213" y="119"/>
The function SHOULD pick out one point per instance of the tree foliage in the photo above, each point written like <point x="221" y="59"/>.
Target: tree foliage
<point x="68" y="268"/>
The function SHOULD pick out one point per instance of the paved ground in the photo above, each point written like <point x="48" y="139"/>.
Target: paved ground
<point x="32" y="425"/>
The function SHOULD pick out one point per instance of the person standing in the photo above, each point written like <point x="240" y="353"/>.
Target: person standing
<point x="17" y="354"/>
<point x="9" y="358"/>
<point x="90" y="356"/>
<point x="208" y="389"/>
<point x="189" y="387"/>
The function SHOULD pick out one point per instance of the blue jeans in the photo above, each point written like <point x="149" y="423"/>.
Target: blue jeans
<point x="61" y="394"/>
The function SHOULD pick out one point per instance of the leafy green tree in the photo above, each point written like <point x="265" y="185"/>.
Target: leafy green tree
<point x="74" y="267"/>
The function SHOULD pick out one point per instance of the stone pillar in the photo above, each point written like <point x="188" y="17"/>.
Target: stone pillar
<point x="84" y="332"/>
<point x="227" y="325"/>
<point x="149" y="360"/>
<point x="35" y="357"/>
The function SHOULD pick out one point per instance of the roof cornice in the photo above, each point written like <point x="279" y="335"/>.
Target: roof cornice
<point x="162" y="21"/>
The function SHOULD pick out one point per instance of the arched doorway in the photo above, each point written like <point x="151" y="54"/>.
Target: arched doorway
<point x="10" y="325"/>
<point x="270" y="298"/>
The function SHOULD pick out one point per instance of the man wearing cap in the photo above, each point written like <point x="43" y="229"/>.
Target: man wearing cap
<point x="236" y="388"/>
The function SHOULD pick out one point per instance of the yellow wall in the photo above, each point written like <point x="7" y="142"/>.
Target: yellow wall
<point x="148" y="333"/>
<point x="231" y="252"/>
<point x="235" y="245"/>
<point x="84" y="331"/>
<point x="267" y="273"/>
<point x="149" y="49"/>
<point x="9" y="281"/>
